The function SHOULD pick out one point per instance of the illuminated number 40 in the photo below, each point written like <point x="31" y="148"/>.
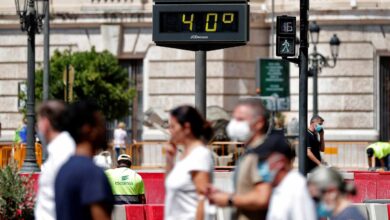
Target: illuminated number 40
<point x="227" y="18"/>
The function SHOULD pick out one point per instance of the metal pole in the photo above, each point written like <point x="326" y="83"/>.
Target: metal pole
<point x="200" y="81"/>
<point x="46" y="53"/>
<point x="272" y="28"/>
<point x="30" y="162"/>
<point x="67" y="84"/>
<point x="46" y="65"/>
<point x="315" y="82"/>
<point x="303" y="67"/>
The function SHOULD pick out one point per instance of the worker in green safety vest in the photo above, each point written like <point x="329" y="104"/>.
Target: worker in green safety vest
<point x="378" y="155"/>
<point x="127" y="185"/>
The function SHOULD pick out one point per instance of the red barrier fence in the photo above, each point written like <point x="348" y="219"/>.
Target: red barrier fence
<point x="371" y="185"/>
<point x="135" y="212"/>
<point x="154" y="187"/>
<point x="144" y="212"/>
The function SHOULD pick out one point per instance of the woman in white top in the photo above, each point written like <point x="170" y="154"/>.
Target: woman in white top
<point x="187" y="180"/>
<point x="120" y="139"/>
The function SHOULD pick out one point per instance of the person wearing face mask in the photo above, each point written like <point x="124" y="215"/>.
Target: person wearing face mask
<point x="51" y="130"/>
<point x="330" y="191"/>
<point x="290" y="197"/>
<point x="315" y="143"/>
<point x="188" y="177"/>
<point x="251" y="195"/>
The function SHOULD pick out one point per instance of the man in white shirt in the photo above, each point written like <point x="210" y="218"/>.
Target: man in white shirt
<point x="51" y="126"/>
<point x="290" y="199"/>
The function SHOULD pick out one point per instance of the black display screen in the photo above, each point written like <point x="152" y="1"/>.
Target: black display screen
<point x="199" y="22"/>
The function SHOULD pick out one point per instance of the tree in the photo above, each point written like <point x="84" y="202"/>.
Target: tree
<point x="97" y="76"/>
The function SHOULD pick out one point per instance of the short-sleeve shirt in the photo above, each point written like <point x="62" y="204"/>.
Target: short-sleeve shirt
<point x="246" y="177"/>
<point x="350" y="213"/>
<point x="119" y="138"/>
<point x="181" y="198"/>
<point x="315" y="146"/>
<point x="126" y="184"/>
<point x="381" y="149"/>
<point x="291" y="200"/>
<point x="79" y="184"/>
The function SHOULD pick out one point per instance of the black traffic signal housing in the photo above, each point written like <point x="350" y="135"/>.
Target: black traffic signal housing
<point x="285" y="36"/>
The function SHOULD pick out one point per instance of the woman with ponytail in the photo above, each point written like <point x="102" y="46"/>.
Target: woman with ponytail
<point x="330" y="191"/>
<point x="188" y="177"/>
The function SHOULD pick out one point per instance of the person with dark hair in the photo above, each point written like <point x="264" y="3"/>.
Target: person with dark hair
<point x="330" y="192"/>
<point x="378" y="155"/>
<point x="250" y="124"/>
<point x="276" y="158"/>
<point x="82" y="190"/>
<point x="187" y="179"/>
<point x="126" y="184"/>
<point x="315" y="143"/>
<point x="60" y="146"/>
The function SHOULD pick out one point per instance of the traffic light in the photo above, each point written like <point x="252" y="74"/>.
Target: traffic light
<point x="285" y="36"/>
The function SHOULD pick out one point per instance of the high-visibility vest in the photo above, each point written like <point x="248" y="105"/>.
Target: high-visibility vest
<point x="381" y="149"/>
<point x="126" y="184"/>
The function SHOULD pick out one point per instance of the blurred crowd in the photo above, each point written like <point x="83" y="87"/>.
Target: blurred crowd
<point x="73" y="184"/>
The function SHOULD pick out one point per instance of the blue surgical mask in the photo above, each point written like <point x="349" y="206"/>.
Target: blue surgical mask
<point x="265" y="173"/>
<point x="319" y="128"/>
<point x="323" y="210"/>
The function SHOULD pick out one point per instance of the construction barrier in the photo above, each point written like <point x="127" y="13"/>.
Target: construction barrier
<point x="156" y="212"/>
<point x="226" y="153"/>
<point x="135" y="212"/>
<point x="17" y="152"/>
<point x="370" y="185"/>
<point x="346" y="155"/>
<point x="340" y="154"/>
<point x="154" y="187"/>
<point x="388" y="211"/>
<point x="151" y="155"/>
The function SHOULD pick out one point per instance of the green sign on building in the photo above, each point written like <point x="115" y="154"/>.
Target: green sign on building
<point x="273" y="83"/>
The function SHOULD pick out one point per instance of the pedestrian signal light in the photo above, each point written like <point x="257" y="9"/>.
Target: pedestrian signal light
<point x="285" y="36"/>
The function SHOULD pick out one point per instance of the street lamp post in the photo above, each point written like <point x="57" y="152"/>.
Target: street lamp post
<point x="31" y="21"/>
<point x="319" y="61"/>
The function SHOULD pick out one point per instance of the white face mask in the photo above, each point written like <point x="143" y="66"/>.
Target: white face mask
<point x="239" y="130"/>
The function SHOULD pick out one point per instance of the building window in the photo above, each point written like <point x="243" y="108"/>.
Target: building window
<point x="384" y="102"/>
<point x="135" y="119"/>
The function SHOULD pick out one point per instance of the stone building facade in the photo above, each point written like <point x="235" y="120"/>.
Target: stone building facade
<point x="349" y="95"/>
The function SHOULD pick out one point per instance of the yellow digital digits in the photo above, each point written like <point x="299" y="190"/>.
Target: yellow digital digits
<point x="190" y="22"/>
<point x="214" y="28"/>
<point x="211" y="20"/>
<point x="228" y="20"/>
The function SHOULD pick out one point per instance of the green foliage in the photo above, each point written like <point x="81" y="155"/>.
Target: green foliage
<point x="98" y="76"/>
<point x="16" y="194"/>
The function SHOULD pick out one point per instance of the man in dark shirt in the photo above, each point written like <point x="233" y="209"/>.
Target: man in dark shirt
<point x="314" y="146"/>
<point x="82" y="191"/>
